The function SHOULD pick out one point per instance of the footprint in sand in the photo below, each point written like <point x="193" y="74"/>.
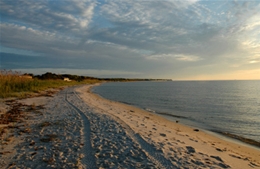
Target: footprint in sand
<point x="190" y="149"/>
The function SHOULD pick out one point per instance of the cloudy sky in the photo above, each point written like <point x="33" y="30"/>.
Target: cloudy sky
<point x="192" y="39"/>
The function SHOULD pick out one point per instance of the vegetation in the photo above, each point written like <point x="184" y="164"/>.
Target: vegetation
<point x="13" y="84"/>
<point x="50" y="75"/>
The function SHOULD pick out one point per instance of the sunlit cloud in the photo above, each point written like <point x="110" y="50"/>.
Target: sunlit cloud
<point x="179" y="57"/>
<point x="254" y="61"/>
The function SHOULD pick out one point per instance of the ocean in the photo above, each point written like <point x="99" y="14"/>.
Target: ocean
<point x="231" y="107"/>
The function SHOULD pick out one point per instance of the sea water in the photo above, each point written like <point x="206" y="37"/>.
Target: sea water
<point x="226" y="106"/>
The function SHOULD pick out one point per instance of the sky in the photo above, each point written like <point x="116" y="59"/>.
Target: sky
<point x="179" y="40"/>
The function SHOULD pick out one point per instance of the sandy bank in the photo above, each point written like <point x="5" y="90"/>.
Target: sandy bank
<point x="179" y="143"/>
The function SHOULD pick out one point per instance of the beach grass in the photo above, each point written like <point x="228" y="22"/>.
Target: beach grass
<point x="13" y="84"/>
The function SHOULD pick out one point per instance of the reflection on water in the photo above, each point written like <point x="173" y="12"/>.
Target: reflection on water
<point x="229" y="106"/>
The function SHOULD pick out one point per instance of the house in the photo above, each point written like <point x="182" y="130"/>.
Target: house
<point x="66" y="79"/>
<point x="26" y="76"/>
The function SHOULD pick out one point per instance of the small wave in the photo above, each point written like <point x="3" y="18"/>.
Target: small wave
<point x="150" y="110"/>
<point x="166" y="114"/>
<point x="172" y="115"/>
<point x="125" y="102"/>
<point x="243" y="139"/>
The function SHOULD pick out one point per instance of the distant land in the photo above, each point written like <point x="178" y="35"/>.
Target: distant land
<point x="54" y="76"/>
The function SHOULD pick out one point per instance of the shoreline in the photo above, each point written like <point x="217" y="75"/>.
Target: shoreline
<point x="243" y="140"/>
<point x="229" y="136"/>
<point x="79" y="129"/>
<point x="218" y="146"/>
<point x="216" y="133"/>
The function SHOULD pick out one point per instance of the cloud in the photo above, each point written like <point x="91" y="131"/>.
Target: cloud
<point x="58" y="16"/>
<point x="178" y="57"/>
<point x="146" y="36"/>
<point x="33" y="39"/>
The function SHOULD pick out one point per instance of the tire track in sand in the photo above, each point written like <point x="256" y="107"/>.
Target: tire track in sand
<point x="154" y="155"/>
<point x="88" y="160"/>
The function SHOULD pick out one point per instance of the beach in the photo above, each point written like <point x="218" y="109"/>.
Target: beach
<point x="75" y="128"/>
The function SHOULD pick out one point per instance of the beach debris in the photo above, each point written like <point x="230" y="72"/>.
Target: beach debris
<point x="177" y="121"/>
<point x="15" y="114"/>
<point x="196" y="130"/>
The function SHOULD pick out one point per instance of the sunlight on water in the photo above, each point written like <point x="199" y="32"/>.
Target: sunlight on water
<point x="229" y="106"/>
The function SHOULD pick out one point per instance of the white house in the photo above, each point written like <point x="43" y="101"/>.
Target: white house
<point x="66" y="79"/>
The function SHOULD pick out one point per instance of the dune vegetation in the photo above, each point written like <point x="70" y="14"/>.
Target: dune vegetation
<point x="14" y="84"/>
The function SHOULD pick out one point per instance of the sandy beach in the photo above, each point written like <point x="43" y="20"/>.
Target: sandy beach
<point x="75" y="128"/>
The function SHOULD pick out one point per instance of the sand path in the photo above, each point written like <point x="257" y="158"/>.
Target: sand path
<point x="87" y="158"/>
<point x="115" y="143"/>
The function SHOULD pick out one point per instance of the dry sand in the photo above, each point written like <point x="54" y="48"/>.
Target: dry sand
<point x="78" y="129"/>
